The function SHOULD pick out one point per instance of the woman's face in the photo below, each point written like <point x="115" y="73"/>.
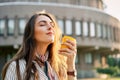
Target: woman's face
<point x="44" y="30"/>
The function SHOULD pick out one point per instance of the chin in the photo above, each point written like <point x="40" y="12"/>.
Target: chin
<point x="52" y="41"/>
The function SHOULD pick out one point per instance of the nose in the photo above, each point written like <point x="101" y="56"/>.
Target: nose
<point x="49" y="26"/>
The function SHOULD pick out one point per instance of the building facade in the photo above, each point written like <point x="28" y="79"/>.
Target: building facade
<point x="96" y="32"/>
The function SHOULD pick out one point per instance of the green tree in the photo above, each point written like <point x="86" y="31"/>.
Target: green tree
<point x="112" y="62"/>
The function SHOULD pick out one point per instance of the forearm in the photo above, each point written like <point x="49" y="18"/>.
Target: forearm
<point x="71" y="72"/>
<point x="72" y="77"/>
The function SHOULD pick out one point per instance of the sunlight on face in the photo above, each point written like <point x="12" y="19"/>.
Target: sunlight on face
<point x="44" y="30"/>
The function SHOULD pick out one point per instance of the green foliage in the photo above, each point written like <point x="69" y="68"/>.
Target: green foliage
<point x="111" y="62"/>
<point x="119" y="63"/>
<point x="110" y="71"/>
<point x="113" y="69"/>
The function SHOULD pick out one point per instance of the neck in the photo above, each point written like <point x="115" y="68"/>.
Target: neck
<point x="41" y="48"/>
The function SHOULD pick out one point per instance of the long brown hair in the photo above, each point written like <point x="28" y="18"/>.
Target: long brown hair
<point x="27" y="49"/>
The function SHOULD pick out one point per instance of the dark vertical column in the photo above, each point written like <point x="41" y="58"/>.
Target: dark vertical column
<point x="64" y="29"/>
<point x="73" y="27"/>
<point x="16" y="27"/>
<point x="6" y="27"/>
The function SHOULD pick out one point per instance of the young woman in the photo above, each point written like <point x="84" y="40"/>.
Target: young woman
<point x="40" y="56"/>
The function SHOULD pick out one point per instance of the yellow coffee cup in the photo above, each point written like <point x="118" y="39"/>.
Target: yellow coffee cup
<point x="67" y="38"/>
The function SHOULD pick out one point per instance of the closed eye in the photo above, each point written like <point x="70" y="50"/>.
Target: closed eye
<point x="42" y="23"/>
<point x="45" y="23"/>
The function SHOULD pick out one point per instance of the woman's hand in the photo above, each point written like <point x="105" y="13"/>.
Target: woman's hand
<point x="70" y="53"/>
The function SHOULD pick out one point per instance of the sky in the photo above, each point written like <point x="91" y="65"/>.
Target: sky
<point x="113" y="8"/>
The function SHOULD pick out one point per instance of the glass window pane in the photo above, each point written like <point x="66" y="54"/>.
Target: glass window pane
<point x="78" y="28"/>
<point x="22" y="23"/>
<point x="104" y="31"/>
<point x="61" y="25"/>
<point x="88" y="58"/>
<point x="85" y="28"/>
<point x="99" y="30"/>
<point x="2" y="26"/>
<point x="112" y="33"/>
<point x="68" y="27"/>
<point x="98" y="57"/>
<point x="11" y="26"/>
<point x="119" y="34"/>
<point x="92" y="29"/>
<point x="108" y="32"/>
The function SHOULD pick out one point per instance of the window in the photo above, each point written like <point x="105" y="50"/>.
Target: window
<point x="68" y="27"/>
<point x="92" y="29"/>
<point x="119" y="34"/>
<point x="114" y="33"/>
<point x="78" y="28"/>
<point x="22" y="23"/>
<point x="99" y="30"/>
<point x="111" y="33"/>
<point x="98" y="57"/>
<point x="61" y="25"/>
<point x="2" y="26"/>
<point x="108" y="32"/>
<point x="104" y="31"/>
<point x="85" y="28"/>
<point x="11" y="26"/>
<point x="88" y="58"/>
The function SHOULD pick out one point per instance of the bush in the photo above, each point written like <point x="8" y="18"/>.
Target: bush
<point x="119" y="63"/>
<point x="110" y="71"/>
<point x="111" y="62"/>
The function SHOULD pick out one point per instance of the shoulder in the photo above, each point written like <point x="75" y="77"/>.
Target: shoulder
<point x="22" y="62"/>
<point x="11" y="73"/>
<point x="13" y="63"/>
<point x="22" y="65"/>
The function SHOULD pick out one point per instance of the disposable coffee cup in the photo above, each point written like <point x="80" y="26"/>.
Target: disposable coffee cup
<point x="65" y="38"/>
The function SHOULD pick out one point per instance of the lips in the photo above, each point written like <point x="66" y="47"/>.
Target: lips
<point x="50" y="33"/>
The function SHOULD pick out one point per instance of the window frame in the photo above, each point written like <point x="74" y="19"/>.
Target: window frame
<point x="10" y="33"/>
<point x="19" y="29"/>
<point x="80" y="28"/>
<point x="68" y="27"/>
<point x="2" y="30"/>
<point x="88" y="58"/>
<point x="61" y="25"/>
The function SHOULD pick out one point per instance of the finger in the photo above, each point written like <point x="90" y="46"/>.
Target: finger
<point x="69" y="46"/>
<point x="65" y="50"/>
<point x="68" y="51"/>
<point x="71" y="42"/>
<point x="68" y="55"/>
<point x="64" y="54"/>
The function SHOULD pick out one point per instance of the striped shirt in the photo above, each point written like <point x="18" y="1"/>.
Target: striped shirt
<point x="11" y="73"/>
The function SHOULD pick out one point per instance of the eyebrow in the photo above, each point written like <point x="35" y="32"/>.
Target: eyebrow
<point x="42" y="21"/>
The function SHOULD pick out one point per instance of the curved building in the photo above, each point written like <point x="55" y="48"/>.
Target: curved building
<point x="96" y="32"/>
